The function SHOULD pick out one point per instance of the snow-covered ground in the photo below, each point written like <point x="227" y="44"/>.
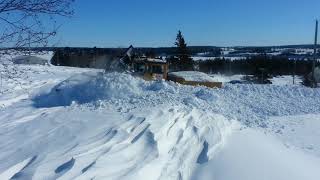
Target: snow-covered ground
<point x="71" y="123"/>
<point x="225" y="79"/>
<point x="284" y="80"/>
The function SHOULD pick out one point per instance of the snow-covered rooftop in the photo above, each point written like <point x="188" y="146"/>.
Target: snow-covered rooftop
<point x="193" y="76"/>
<point x="156" y="60"/>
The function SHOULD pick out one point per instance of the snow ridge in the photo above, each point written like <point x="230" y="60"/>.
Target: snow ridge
<point x="92" y="125"/>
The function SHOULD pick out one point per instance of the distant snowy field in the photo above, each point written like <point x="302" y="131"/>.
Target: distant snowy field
<point x="22" y="56"/>
<point x="202" y="58"/>
<point x="278" y="80"/>
<point x="71" y="123"/>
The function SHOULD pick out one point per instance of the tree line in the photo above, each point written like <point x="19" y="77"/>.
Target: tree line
<point x="273" y="65"/>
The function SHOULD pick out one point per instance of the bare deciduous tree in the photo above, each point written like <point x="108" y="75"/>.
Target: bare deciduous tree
<point x="25" y="22"/>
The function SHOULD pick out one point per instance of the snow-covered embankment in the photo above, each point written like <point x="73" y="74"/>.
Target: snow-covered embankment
<point x="115" y="126"/>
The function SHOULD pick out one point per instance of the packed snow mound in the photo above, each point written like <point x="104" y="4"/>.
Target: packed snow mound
<point x="250" y="104"/>
<point x="192" y="76"/>
<point x="253" y="104"/>
<point x="162" y="143"/>
<point x="90" y="87"/>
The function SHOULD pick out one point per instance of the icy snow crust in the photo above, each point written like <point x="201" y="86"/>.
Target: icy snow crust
<point x="69" y="123"/>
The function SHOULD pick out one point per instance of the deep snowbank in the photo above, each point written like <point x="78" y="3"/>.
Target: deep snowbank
<point x="90" y="87"/>
<point x="252" y="155"/>
<point x="115" y="126"/>
<point x="251" y="104"/>
<point x="78" y="143"/>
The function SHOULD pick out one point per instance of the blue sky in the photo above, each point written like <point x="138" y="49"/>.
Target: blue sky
<point x="119" y="23"/>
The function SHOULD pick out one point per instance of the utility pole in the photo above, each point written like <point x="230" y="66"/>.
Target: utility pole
<point x="315" y="55"/>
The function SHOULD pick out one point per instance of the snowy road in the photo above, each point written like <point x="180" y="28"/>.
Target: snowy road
<point x="69" y="123"/>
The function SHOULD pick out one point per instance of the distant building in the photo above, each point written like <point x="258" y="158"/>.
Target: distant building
<point x="156" y="69"/>
<point x="148" y="68"/>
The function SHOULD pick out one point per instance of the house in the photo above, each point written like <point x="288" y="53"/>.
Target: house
<point x="193" y="78"/>
<point x="158" y="69"/>
<point x="155" y="69"/>
<point x="150" y="68"/>
<point x="147" y="68"/>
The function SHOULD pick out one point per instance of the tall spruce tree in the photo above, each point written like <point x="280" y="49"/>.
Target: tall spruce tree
<point x="184" y="60"/>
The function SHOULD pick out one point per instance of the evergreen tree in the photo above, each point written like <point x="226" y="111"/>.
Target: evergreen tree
<point x="185" y="61"/>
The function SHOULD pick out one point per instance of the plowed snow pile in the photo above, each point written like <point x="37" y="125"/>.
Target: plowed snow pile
<point x="69" y="123"/>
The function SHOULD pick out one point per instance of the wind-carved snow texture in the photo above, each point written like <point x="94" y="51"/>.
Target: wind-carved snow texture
<point x="65" y="166"/>
<point x="202" y="158"/>
<point x="17" y="171"/>
<point x="79" y="89"/>
<point x="91" y="125"/>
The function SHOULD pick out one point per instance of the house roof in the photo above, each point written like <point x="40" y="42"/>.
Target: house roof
<point x="152" y="60"/>
<point x="192" y="76"/>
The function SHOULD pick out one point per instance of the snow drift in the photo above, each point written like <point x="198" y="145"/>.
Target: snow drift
<point x="90" y="87"/>
<point x="93" y="125"/>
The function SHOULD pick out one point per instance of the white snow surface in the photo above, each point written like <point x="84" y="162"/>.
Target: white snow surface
<point x="71" y="123"/>
<point x="286" y="80"/>
<point x="192" y="76"/>
<point x="225" y="78"/>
